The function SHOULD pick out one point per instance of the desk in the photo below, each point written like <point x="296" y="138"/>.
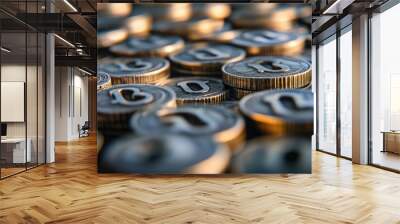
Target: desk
<point x="391" y="141"/>
<point x="18" y="149"/>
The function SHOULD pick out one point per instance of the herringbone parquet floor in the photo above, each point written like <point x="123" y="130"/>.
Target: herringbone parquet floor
<point x="70" y="191"/>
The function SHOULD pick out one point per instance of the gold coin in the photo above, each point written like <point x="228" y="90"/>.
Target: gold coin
<point x="108" y="38"/>
<point x="103" y="80"/>
<point x="138" y="25"/>
<point x="114" y="9"/>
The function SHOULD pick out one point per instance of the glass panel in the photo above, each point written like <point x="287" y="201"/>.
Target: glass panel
<point x="385" y="84"/>
<point x="327" y="97"/>
<point x="13" y="86"/>
<point x="346" y="94"/>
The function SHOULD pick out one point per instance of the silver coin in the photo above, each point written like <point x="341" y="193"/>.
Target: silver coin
<point x="195" y="90"/>
<point x="267" y="72"/>
<point x="274" y="155"/>
<point x="222" y="124"/>
<point x="136" y="70"/>
<point x="290" y="110"/>
<point x="152" y="45"/>
<point x="116" y="104"/>
<point x="167" y="154"/>
<point x="103" y="80"/>
<point x="205" y="59"/>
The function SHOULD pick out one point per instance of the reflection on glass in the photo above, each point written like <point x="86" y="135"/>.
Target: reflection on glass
<point x="327" y="97"/>
<point x="345" y="94"/>
<point x="385" y="84"/>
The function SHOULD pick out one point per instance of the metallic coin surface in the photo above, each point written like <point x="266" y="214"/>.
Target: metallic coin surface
<point x="152" y="45"/>
<point x="103" y="80"/>
<point x="288" y="111"/>
<point x="205" y="58"/>
<point x="116" y="104"/>
<point x="107" y="38"/>
<point x="240" y="93"/>
<point x="196" y="26"/>
<point x="274" y="155"/>
<point x="164" y="154"/>
<point x="115" y="9"/>
<point x="136" y="70"/>
<point x="267" y="42"/>
<point x="165" y="11"/>
<point x="267" y="72"/>
<point x="278" y="18"/>
<point x="224" y="125"/>
<point x="197" y="90"/>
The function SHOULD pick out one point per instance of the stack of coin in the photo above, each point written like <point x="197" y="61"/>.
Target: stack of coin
<point x="266" y="72"/>
<point x="193" y="84"/>
<point x="197" y="90"/>
<point x="116" y="105"/>
<point x="164" y="154"/>
<point x="205" y="59"/>
<point x="136" y="70"/>
<point x="280" y="112"/>
<point x="223" y="125"/>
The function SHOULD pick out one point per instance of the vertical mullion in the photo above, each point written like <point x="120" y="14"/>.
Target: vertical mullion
<point x="26" y="86"/>
<point x="338" y="98"/>
<point x="317" y="96"/>
<point x="0" y="94"/>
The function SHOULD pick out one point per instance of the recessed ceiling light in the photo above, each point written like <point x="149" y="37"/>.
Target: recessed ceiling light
<point x="5" y="49"/>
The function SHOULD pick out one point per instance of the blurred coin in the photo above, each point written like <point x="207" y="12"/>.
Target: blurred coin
<point x="194" y="26"/>
<point x="224" y="125"/>
<point x="115" y="105"/>
<point x="280" y="111"/>
<point x="197" y="90"/>
<point x="164" y="154"/>
<point x="240" y="93"/>
<point x="230" y="104"/>
<point x="107" y="38"/>
<point x="267" y="42"/>
<point x="138" y="25"/>
<point x="114" y="9"/>
<point x="211" y="10"/>
<point x="274" y="155"/>
<point x="205" y="59"/>
<point x="279" y="18"/>
<point x="196" y="37"/>
<point x="103" y="80"/>
<point x="136" y="70"/>
<point x="264" y="72"/>
<point x="165" y="11"/>
<point x="153" y="45"/>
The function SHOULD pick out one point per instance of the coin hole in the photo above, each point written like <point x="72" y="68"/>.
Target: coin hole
<point x="129" y="95"/>
<point x="153" y="151"/>
<point x="191" y="118"/>
<point x="288" y="102"/>
<point x="195" y="86"/>
<point x="135" y="64"/>
<point x="271" y="65"/>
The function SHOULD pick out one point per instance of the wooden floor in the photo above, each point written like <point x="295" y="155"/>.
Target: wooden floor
<point x="70" y="191"/>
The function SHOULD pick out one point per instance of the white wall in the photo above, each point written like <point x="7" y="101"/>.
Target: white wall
<point x="70" y="83"/>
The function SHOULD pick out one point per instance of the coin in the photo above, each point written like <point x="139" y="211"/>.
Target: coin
<point x="280" y="111"/>
<point x="274" y="155"/>
<point x="194" y="26"/>
<point x="224" y="125"/>
<point x="116" y="104"/>
<point x="205" y="58"/>
<point x="115" y="9"/>
<point x="152" y="45"/>
<point x="136" y="70"/>
<point x="211" y="10"/>
<point x="267" y="42"/>
<point x="267" y="72"/>
<point x="196" y="37"/>
<point x="197" y="90"/>
<point x="107" y="38"/>
<point x="164" y="154"/>
<point x="166" y="11"/>
<point x="103" y="81"/>
<point x="279" y="18"/>
<point x="138" y="25"/>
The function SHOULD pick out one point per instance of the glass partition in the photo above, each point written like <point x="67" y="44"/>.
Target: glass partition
<point x="327" y="96"/>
